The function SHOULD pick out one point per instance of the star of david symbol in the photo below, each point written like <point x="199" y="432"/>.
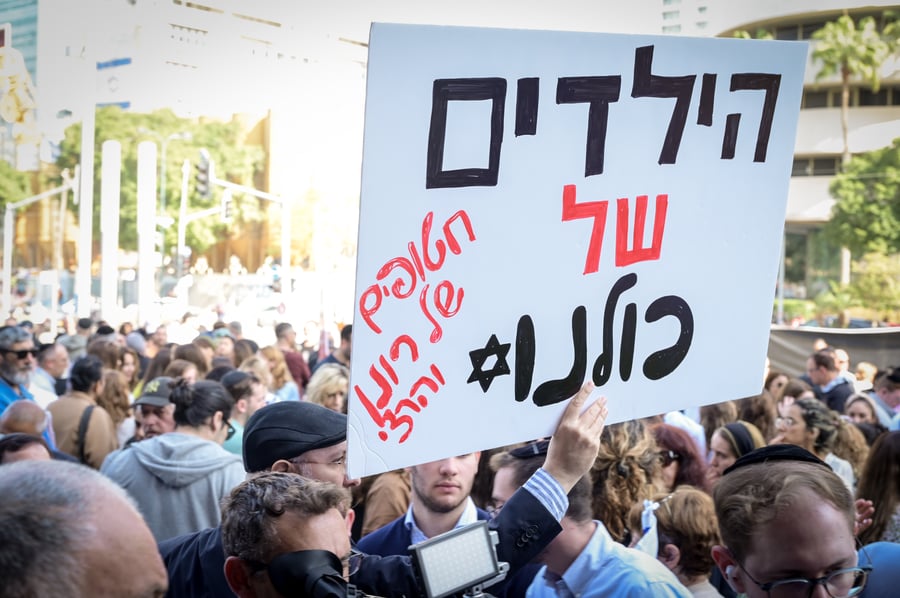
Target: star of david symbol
<point x="480" y="356"/>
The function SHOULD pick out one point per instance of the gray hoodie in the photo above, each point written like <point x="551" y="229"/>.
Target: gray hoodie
<point x="177" y="481"/>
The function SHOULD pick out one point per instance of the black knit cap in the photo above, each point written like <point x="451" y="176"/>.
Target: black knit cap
<point x="288" y="429"/>
<point x="775" y="452"/>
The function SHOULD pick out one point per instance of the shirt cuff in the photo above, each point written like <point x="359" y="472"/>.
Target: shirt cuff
<point x="548" y="492"/>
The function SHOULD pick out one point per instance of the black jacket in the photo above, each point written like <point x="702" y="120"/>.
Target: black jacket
<point x="196" y="562"/>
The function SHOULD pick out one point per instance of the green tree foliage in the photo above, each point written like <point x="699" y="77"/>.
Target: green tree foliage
<point x="234" y="161"/>
<point x="759" y="34"/>
<point x="14" y="185"/>
<point x="873" y="293"/>
<point x="849" y="49"/>
<point x="876" y="285"/>
<point x="866" y="216"/>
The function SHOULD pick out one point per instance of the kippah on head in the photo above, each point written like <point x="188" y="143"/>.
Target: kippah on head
<point x="288" y="429"/>
<point x="775" y="452"/>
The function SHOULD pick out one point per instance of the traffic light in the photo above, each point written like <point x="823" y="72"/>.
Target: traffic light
<point x="204" y="174"/>
<point x="227" y="206"/>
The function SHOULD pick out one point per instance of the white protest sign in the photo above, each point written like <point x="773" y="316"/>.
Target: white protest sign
<point x="540" y="208"/>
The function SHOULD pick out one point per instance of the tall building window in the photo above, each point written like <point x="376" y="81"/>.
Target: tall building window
<point x="671" y="29"/>
<point x="671" y="14"/>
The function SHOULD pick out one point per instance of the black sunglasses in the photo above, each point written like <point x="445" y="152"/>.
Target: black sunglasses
<point x="668" y="457"/>
<point x="21" y="353"/>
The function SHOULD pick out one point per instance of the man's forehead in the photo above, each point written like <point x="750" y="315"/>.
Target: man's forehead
<point x="326" y="531"/>
<point x="25" y="344"/>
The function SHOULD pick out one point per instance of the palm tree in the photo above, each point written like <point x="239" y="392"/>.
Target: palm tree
<point x="848" y="49"/>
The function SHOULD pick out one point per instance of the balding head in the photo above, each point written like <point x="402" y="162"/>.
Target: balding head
<point x="66" y="529"/>
<point x="23" y="416"/>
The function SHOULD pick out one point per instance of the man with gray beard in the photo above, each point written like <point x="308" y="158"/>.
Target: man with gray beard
<point x="17" y="362"/>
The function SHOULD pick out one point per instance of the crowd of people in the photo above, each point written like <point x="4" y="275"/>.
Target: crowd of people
<point x="218" y="468"/>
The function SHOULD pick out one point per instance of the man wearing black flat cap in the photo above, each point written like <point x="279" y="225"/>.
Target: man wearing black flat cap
<point x="310" y="440"/>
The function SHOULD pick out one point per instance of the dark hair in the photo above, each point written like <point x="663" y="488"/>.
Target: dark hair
<point x="870" y="431"/>
<point x="580" y="509"/>
<point x="824" y="359"/>
<point x="239" y="384"/>
<point x="880" y="483"/>
<point x="217" y="372"/>
<point x="177" y="368"/>
<point x="13" y="443"/>
<point x="794" y="388"/>
<point x="346" y="332"/>
<point x="109" y="352"/>
<point x="196" y="403"/>
<point x="137" y="365"/>
<point x="191" y="352"/>
<point x="816" y="414"/>
<point x="244" y="348"/>
<point x="204" y="342"/>
<point x="105" y="330"/>
<point x="86" y="372"/>
<point x="691" y="465"/>
<point x="761" y="411"/>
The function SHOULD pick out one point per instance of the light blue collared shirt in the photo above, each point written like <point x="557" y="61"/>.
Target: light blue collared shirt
<point x="606" y="568"/>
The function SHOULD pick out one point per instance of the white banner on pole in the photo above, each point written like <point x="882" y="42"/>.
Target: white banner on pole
<point x="540" y="208"/>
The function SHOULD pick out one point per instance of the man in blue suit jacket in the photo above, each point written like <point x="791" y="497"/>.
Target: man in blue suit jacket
<point x="440" y="501"/>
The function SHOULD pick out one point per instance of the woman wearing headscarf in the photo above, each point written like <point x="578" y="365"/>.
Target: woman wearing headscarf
<point x="729" y="443"/>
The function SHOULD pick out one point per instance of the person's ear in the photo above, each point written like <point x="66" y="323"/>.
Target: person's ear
<point x="238" y="577"/>
<point x="282" y="465"/>
<point x="216" y="421"/>
<point x="349" y="519"/>
<point x="729" y="568"/>
<point x="670" y="556"/>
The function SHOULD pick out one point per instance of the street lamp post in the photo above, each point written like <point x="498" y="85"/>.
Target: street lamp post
<point x="164" y="144"/>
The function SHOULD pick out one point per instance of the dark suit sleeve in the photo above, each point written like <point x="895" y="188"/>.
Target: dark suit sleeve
<point x="388" y="576"/>
<point x="524" y="526"/>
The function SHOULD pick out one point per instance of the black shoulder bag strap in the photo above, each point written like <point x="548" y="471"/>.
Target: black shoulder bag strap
<point x="82" y="430"/>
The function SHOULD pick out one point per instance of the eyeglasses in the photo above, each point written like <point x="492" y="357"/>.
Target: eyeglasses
<point x="231" y="430"/>
<point x="669" y="457"/>
<point x="20" y="353"/>
<point x="340" y="462"/>
<point x="787" y="422"/>
<point x="842" y="583"/>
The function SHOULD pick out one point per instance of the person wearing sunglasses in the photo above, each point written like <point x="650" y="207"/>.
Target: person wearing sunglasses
<point x="787" y="527"/>
<point x="179" y="479"/>
<point x="17" y="363"/>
